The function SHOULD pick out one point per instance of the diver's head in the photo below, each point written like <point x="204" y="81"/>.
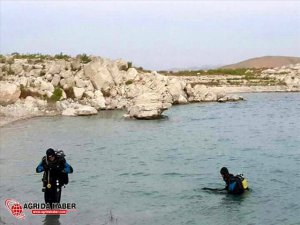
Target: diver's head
<point x="50" y="153"/>
<point x="224" y="172"/>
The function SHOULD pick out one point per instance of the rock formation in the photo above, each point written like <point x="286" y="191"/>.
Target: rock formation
<point x="75" y="87"/>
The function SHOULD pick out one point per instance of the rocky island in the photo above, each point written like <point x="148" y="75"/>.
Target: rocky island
<point x="43" y="85"/>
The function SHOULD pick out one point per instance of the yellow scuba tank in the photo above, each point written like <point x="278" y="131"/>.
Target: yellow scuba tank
<point x="245" y="183"/>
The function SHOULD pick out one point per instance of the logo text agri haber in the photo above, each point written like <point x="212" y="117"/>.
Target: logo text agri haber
<point x="17" y="210"/>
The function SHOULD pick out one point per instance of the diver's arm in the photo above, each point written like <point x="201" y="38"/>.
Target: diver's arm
<point x="213" y="189"/>
<point x="67" y="168"/>
<point x="40" y="168"/>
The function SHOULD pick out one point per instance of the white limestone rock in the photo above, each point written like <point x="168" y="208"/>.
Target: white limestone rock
<point x="55" y="80"/>
<point x="148" y="106"/>
<point x="99" y="101"/>
<point x="86" y="111"/>
<point x="99" y="75"/>
<point x="78" y="92"/>
<point x="9" y="93"/>
<point x="131" y="74"/>
<point x="69" y="112"/>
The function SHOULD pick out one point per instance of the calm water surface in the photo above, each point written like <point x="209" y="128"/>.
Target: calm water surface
<point x="152" y="172"/>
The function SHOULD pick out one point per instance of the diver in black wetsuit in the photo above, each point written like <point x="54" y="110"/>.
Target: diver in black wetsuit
<point x="233" y="183"/>
<point x="56" y="171"/>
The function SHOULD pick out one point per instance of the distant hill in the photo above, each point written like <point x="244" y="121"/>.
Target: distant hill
<point x="264" y="62"/>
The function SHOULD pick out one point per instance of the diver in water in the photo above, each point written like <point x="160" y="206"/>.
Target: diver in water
<point x="235" y="185"/>
<point x="56" y="170"/>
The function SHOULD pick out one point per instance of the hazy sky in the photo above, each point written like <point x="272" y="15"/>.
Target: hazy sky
<point x="153" y="34"/>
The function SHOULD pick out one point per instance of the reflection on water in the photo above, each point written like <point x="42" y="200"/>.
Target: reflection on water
<point x="51" y="220"/>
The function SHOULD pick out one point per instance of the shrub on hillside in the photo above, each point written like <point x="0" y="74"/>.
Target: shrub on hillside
<point x="56" y="95"/>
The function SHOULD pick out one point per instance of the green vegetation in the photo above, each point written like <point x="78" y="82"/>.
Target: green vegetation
<point x="129" y="64"/>
<point x="84" y="58"/>
<point x="234" y="77"/>
<point x="2" y="59"/>
<point x="242" y="71"/>
<point x="142" y="70"/>
<point x="62" y="56"/>
<point x="38" y="57"/>
<point x="34" y="56"/>
<point x="129" y="82"/>
<point x="126" y="67"/>
<point x="56" y="95"/>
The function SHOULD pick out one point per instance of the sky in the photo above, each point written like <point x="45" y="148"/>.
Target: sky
<point x="156" y="35"/>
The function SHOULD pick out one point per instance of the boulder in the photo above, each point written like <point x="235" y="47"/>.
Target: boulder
<point x="79" y="82"/>
<point x="30" y="102"/>
<point x="86" y="110"/>
<point x="89" y="94"/>
<point x="116" y="74"/>
<point x="67" y="83"/>
<point x="99" y="75"/>
<point x="17" y="68"/>
<point x="209" y="97"/>
<point x="23" y="81"/>
<point x="78" y="92"/>
<point x="176" y="89"/>
<point x="69" y="112"/>
<point x="9" y="93"/>
<point x="99" y="101"/>
<point x="56" y="67"/>
<point x="48" y="76"/>
<point x="231" y="98"/>
<point x="121" y="64"/>
<point x="70" y="108"/>
<point x="46" y="86"/>
<point x="66" y="74"/>
<point x="75" y="64"/>
<point x="148" y="106"/>
<point x="182" y="100"/>
<point x="55" y="80"/>
<point x="89" y="86"/>
<point x="35" y="72"/>
<point x="130" y="74"/>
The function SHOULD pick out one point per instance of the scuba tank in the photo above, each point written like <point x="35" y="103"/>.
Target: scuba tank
<point x="244" y="181"/>
<point x="60" y="153"/>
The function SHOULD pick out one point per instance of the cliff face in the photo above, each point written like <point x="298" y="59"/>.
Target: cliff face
<point x="75" y="87"/>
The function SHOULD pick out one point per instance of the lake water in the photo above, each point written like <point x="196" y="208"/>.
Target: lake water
<point x="152" y="172"/>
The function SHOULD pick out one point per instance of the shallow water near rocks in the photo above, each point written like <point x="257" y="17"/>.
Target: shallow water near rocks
<point x="152" y="172"/>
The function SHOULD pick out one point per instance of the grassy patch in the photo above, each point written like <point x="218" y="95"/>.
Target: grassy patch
<point x="242" y="71"/>
<point x="56" y="95"/>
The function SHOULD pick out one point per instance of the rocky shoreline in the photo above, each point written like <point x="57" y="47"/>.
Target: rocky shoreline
<point x="83" y="86"/>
